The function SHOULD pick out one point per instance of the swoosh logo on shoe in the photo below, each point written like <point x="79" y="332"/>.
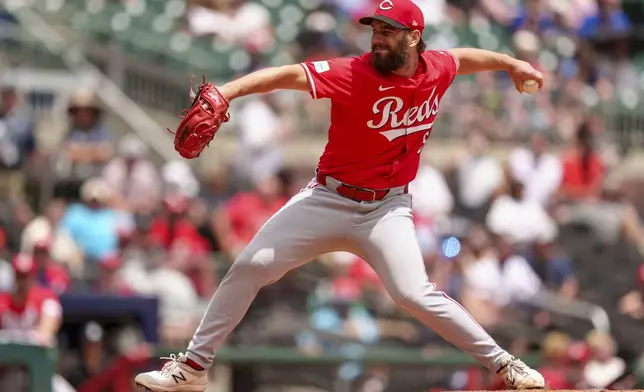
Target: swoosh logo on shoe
<point x="383" y="88"/>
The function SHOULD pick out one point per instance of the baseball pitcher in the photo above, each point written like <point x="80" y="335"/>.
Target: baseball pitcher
<point x="384" y="104"/>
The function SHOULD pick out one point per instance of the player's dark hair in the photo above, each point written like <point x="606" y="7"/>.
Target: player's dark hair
<point x="420" y="47"/>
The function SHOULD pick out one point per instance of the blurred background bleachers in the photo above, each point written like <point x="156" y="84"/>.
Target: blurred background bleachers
<point x="543" y="191"/>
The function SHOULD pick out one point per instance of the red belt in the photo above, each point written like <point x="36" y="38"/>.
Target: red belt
<point x="355" y="193"/>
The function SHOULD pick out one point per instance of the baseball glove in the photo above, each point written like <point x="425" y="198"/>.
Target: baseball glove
<point x="201" y="121"/>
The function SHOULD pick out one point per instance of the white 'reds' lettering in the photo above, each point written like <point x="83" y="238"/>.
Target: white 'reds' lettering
<point x="389" y="110"/>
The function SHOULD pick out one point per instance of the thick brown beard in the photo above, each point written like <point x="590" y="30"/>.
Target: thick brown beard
<point x="395" y="59"/>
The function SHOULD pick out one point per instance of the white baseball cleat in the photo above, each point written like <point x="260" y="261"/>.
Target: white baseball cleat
<point x="518" y="375"/>
<point x="175" y="376"/>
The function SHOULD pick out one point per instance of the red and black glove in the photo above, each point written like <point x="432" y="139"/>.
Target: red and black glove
<point x="201" y="121"/>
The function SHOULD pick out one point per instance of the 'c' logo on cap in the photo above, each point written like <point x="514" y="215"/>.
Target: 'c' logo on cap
<point x="386" y="5"/>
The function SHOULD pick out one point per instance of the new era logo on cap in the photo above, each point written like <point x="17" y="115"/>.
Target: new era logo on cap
<point x="403" y="14"/>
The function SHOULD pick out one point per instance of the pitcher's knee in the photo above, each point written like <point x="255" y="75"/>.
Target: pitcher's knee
<point x="411" y="299"/>
<point x="255" y="266"/>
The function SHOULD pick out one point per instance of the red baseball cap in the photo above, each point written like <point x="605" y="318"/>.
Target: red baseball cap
<point x="403" y="14"/>
<point x="110" y="262"/>
<point x="23" y="264"/>
<point x="42" y="244"/>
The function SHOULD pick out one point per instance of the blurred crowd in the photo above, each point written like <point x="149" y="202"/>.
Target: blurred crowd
<point x="113" y="222"/>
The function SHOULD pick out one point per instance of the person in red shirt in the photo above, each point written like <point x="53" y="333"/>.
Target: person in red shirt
<point x="246" y="212"/>
<point x="583" y="168"/>
<point x="32" y="314"/>
<point x="48" y="273"/>
<point x="187" y="248"/>
<point x="383" y="107"/>
<point x="109" y="282"/>
<point x="173" y="227"/>
<point x="30" y="311"/>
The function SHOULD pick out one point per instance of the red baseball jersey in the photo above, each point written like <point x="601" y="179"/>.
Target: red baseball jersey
<point x="40" y="301"/>
<point x="379" y="124"/>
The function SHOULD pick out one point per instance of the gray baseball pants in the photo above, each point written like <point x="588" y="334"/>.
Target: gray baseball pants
<point x="318" y="220"/>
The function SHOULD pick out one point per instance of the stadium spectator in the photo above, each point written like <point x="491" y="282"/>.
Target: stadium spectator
<point x="609" y="22"/>
<point x="583" y="167"/>
<point x="603" y="366"/>
<point x="17" y="141"/>
<point x="246" y="213"/>
<point x="337" y="304"/>
<point x="632" y="303"/>
<point x="262" y="129"/>
<point x="134" y="180"/>
<point x="518" y="220"/>
<point x="173" y="228"/>
<point x="87" y="147"/>
<point x="94" y="224"/>
<point x="495" y="277"/>
<point x="179" y="178"/>
<point x="554" y="349"/>
<point x="537" y="169"/>
<point x="31" y="314"/>
<point x="611" y="217"/>
<point x="177" y="229"/>
<point x="555" y="269"/>
<point x="234" y="21"/>
<point x="147" y="273"/>
<point x="215" y="192"/>
<point x="46" y="227"/>
<point x="479" y="177"/>
<point x="109" y="281"/>
<point x="535" y="16"/>
<point x="432" y="197"/>
<point x="48" y="273"/>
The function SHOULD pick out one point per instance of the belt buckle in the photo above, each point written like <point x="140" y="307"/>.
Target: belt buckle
<point x="373" y="193"/>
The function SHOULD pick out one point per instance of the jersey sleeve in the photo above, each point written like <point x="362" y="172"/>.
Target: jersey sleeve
<point x="446" y="63"/>
<point x="329" y="78"/>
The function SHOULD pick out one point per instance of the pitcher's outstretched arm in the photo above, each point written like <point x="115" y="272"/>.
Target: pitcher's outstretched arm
<point x="286" y="77"/>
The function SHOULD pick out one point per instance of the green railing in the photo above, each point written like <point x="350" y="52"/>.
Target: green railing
<point x="38" y="361"/>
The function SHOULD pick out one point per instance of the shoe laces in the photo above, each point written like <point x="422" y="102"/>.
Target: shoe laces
<point x="514" y="369"/>
<point x="172" y="363"/>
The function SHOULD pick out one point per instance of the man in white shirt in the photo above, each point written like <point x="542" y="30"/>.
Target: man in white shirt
<point x="518" y="220"/>
<point x="260" y="129"/>
<point x="539" y="171"/>
<point x="479" y="175"/>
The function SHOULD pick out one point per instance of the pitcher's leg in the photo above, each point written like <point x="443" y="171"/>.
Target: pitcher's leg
<point x="389" y="244"/>
<point x="391" y="248"/>
<point x="299" y="232"/>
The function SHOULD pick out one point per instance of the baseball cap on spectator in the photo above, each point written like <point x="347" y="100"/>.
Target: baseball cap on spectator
<point x="179" y="177"/>
<point x="110" y="262"/>
<point x="176" y="204"/>
<point x="578" y="352"/>
<point x="23" y="264"/>
<point x="95" y="189"/>
<point x="84" y="99"/>
<point x="42" y="244"/>
<point x="131" y="146"/>
<point x="526" y="41"/>
<point x="555" y="345"/>
<point x="403" y="14"/>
